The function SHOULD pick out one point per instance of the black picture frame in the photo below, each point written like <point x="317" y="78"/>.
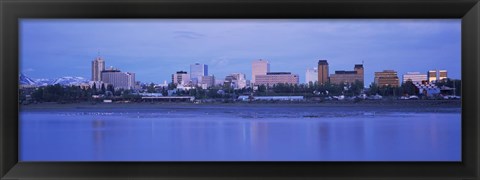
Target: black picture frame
<point x="12" y="10"/>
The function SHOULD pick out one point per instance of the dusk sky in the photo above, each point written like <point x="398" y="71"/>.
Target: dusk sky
<point x="154" y="49"/>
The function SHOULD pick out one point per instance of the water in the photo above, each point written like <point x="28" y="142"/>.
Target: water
<point x="240" y="133"/>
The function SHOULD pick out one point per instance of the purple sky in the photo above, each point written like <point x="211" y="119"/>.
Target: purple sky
<point x="154" y="49"/>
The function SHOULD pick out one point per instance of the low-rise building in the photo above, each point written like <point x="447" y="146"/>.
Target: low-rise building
<point x="180" y="78"/>
<point x="414" y="77"/>
<point x="207" y="81"/>
<point x="348" y="76"/>
<point x="273" y="78"/>
<point x="236" y="81"/>
<point x="386" y="78"/>
<point x="119" y="80"/>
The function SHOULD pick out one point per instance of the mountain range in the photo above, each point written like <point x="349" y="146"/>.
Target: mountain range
<point x="67" y="80"/>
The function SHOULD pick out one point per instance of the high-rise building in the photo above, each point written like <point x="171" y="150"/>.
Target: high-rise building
<point x="119" y="80"/>
<point x="322" y="72"/>
<point x="432" y="75"/>
<point x="442" y="74"/>
<point x="180" y="78"/>
<point x="198" y="70"/>
<point x="348" y="76"/>
<point x="414" y="77"/>
<point x="386" y="78"/>
<point x="272" y="78"/>
<point x="359" y="69"/>
<point x="259" y="67"/>
<point x="437" y="75"/>
<point x="98" y="65"/>
<point x="311" y="75"/>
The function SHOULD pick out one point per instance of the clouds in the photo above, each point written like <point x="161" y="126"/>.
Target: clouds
<point x="154" y="49"/>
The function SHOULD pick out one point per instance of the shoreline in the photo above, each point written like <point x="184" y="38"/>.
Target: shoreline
<point x="383" y="104"/>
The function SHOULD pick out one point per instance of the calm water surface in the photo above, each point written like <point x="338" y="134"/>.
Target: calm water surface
<point x="219" y="133"/>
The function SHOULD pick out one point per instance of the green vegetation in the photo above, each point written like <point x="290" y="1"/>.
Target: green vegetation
<point x="452" y="83"/>
<point x="57" y="93"/>
<point x="70" y="94"/>
<point x="408" y="88"/>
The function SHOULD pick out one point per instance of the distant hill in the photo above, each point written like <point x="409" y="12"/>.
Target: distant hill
<point x="24" y="80"/>
<point x="64" y="81"/>
<point x="68" y="80"/>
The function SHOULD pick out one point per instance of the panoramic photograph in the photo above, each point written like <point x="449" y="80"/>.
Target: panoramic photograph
<point x="240" y="90"/>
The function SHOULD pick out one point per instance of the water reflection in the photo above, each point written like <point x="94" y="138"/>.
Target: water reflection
<point x="220" y="136"/>
<point x="97" y="126"/>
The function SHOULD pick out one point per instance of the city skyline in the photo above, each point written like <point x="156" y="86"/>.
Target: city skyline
<point x="435" y="43"/>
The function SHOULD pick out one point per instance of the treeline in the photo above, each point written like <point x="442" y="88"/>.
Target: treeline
<point x="65" y="94"/>
<point x="58" y="93"/>
<point x="408" y="88"/>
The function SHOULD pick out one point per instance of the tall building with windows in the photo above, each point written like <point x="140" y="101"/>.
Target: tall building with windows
<point x="322" y="72"/>
<point x="348" y="76"/>
<point x="437" y="75"/>
<point x="198" y="70"/>
<point x="414" y="77"/>
<point x="180" y="78"/>
<point x="311" y="75"/>
<point x="98" y="65"/>
<point x="119" y="80"/>
<point x="387" y="78"/>
<point x="432" y="75"/>
<point x="442" y="74"/>
<point x="273" y="78"/>
<point x="259" y="67"/>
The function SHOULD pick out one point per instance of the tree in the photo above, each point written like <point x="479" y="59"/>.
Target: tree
<point x="310" y="84"/>
<point x="356" y="87"/>
<point x="111" y="88"/>
<point x="164" y="91"/>
<point x="126" y="94"/>
<point x="262" y="88"/>
<point x="455" y="83"/>
<point x="38" y="95"/>
<point x="94" y="88"/>
<point x="103" y="88"/>
<point x="408" y="88"/>
<point x="151" y="88"/>
<point x="373" y="90"/>
<point x="172" y="86"/>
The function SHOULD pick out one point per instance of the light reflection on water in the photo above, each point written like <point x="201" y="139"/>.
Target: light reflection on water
<point x="237" y="135"/>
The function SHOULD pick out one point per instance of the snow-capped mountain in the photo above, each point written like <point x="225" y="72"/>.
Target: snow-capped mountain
<point x="68" y="80"/>
<point x="42" y="82"/>
<point x="64" y="81"/>
<point x="24" y="80"/>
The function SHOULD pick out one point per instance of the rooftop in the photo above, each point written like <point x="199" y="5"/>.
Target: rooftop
<point x="345" y="72"/>
<point x="111" y="70"/>
<point x="278" y="73"/>
<point x="322" y="62"/>
<point x="358" y="66"/>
